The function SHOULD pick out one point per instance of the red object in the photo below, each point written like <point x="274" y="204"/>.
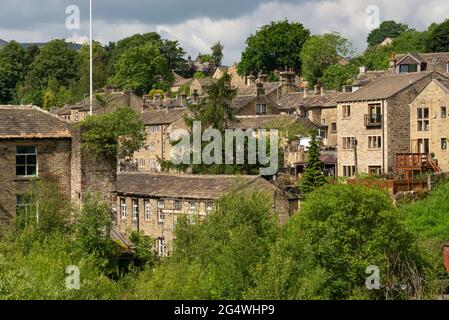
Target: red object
<point x="446" y="256"/>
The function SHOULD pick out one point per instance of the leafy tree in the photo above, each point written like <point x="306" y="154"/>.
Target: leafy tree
<point x="13" y="68"/>
<point x="199" y="75"/>
<point x="142" y="68"/>
<point x="322" y="51"/>
<point x="153" y="92"/>
<point x="217" y="53"/>
<point x="313" y="175"/>
<point x="438" y="40"/>
<point x="337" y="75"/>
<point x="116" y="134"/>
<point x="387" y="29"/>
<point x="274" y="47"/>
<point x="411" y="41"/>
<point x="324" y="252"/>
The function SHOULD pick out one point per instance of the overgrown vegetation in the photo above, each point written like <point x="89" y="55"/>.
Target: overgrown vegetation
<point x="239" y="251"/>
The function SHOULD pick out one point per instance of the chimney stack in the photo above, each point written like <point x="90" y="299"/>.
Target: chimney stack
<point x="323" y="91"/>
<point x="315" y="88"/>
<point x="260" y="91"/>
<point x="195" y="96"/>
<point x="250" y="80"/>
<point x="305" y="92"/>
<point x="263" y="77"/>
<point x="183" y="100"/>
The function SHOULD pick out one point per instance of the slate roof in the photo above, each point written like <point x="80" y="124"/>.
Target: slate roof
<point x="181" y="186"/>
<point x="384" y="87"/>
<point x="31" y="122"/>
<point x="435" y="61"/>
<point x="251" y="89"/>
<point x="258" y="122"/>
<point x="297" y="99"/>
<point x="167" y="116"/>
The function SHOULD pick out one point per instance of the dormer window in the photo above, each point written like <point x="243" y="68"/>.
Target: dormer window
<point x="407" y="68"/>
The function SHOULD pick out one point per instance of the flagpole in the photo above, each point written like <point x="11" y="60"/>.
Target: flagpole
<point x="91" y="58"/>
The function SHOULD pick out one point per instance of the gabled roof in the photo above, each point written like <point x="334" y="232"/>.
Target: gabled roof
<point x="435" y="61"/>
<point x="31" y="122"/>
<point x="385" y="87"/>
<point x="206" y="187"/>
<point x="165" y="116"/>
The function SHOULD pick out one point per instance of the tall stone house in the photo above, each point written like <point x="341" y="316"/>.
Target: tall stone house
<point x="429" y="122"/>
<point x="153" y="203"/>
<point x="374" y="123"/>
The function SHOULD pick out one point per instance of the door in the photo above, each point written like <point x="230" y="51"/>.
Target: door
<point x="423" y="146"/>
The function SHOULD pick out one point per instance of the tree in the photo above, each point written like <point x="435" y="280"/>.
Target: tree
<point x="411" y="41"/>
<point x="100" y="62"/>
<point x="387" y="29"/>
<point x="313" y="175"/>
<point x="142" y="68"/>
<point x="274" y="47"/>
<point x="217" y="53"/>
<point x="322" y="51"/>
<point x="13" y="68"/>
<point x="438" y="40"/>
<point x="324" y="252"/>
<point x="337" y="75"/>
<point x="116" y="134"/>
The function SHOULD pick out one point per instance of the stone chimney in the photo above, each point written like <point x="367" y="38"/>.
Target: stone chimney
<point x="250" y="80"/>
<point x="323" y="91"/>
<point x="363" y="70"/>
<point x="195" y="96"/>
<point x="166" y="96"/>
<point x="263" y="77"/>
<point x="183" y="100"/>
<point x="287" y="82"/>
<point x="305" y="92"/>
<point x="260" y="91"/>
<point x="315" y="88"/>
<point x="156" y="97"/>
<point x="392" y="63"/>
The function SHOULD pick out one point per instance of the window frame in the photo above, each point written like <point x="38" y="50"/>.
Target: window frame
<point x="26" y="164"/>
<point x="135" y="210"/>
<point x="261" y="108"/>
<point x="147" y="209"/>
<point x="123" y="209"/>
<point x="443" y="144"/>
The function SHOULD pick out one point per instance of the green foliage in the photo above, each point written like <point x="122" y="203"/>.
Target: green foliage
<point x="199" y="75"/>
<point x="13" y="68"/>
<point x="217" y="54"/>
<point x="411" y="41"/>
<point x="322" y="51"/>
<point x="214" y="259"/>
<point x="323" y="252"/>
<point x="438" y="40"/>
<point x="115" y="134"/>
<point x="313" y="175"/>
<point x="140" y="68"/>
<point x="274" y="47"/>
<point x="145" y="253"/>
<point x="337" y="76"/>
<point x="156" y="91"/>
<point x="387" y="29"/>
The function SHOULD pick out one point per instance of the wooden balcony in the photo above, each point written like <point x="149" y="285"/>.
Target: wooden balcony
<point x="410" y="164"/>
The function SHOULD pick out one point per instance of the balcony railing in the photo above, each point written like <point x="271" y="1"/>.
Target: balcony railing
<point x="373" y="120"/>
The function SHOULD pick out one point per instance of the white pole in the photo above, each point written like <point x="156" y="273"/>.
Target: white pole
<point x="91" y="57"/>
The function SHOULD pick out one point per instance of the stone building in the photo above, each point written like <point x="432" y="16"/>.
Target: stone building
<point x="374" y="123"/>
<point x="429" y="122"/>
<point x="201" y="85"/>
<point x="158" y="126"/>
<point x="417" y="62"/>
<point x="34" y="145"/>
<point x="319" y="106"/>
<point x="152" y="203"/>
<point x="78" y="112"/>
<point x="236" y="80"/>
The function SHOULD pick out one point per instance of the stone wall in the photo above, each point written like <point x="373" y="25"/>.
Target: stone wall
<point x="53" y="161"/>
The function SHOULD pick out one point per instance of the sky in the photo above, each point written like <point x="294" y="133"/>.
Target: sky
<point x="197" y="24"/>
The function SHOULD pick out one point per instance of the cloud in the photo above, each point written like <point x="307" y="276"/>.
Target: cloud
<point x="197" y="24"/>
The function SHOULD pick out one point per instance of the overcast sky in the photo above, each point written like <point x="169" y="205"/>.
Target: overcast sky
<point x="199" y="23"/>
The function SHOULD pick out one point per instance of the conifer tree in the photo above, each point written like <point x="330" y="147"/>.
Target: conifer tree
<point x="313" y="175"/>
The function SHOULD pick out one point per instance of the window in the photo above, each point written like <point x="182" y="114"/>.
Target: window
<point x="261" y="108"/>
<point x="141" y="163"/>
<point x="375" y="170"/>
<point x="348" y="171"/>
<point x="346" y="111"/>
<point x="374" y="142"/>
<point x="161" y="247"/>
<point x="374" y="115"/>
<point x="23" y="209"/>
<point x="26" y="161"/>
<point x="77" y="116"/>
<point x="154" y="129"/>
<point x="192" y="206"/>
<point x="209" y="206"/>
<point x="192" y="211"/>
<point x="423" y="119"/>
<point x="154" y="165"/>
<point x="177" y="205"/>
<point x="147" y="209"/>
<point x="135" y="209"/>
<point x="123" y="208"/>
<point x="406" y="68"/>
<point x="348" y="143"/>
<point x="423" y="146"/>
<point x="443" y="143"/>
<point x="160" y="211"/>
<point x="443" y="112"/>
<point x="334" y="127"/>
